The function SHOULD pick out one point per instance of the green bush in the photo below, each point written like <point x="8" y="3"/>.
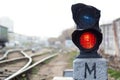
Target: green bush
<point x="115" y="74"/>
<point x="72" y="56"/>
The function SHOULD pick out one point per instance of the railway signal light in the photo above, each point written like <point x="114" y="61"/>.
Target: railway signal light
<point x="85" y="16"/>
<point x="87" y="37"/>
<point x="87" y="40"/>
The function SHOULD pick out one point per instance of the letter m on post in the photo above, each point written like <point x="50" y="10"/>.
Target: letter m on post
<point x="90" y="71"/>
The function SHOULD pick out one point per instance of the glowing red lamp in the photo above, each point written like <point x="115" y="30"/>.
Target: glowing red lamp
<point x="87" y="40"/>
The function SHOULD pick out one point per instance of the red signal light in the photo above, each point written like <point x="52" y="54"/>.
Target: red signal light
<point x="87" y="40"/>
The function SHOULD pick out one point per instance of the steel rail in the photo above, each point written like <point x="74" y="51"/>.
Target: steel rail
<point x="5" y="55"/>
<point x="20" y="70"/>
<point x="10" y="60"/>
<point x="38" y="62"/>
<point x="33" y="65"/>
<point x="20" y="58"/>
<point x="8" y="52"/>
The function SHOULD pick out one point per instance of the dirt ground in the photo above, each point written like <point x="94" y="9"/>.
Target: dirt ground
<point x="54" y="68"/>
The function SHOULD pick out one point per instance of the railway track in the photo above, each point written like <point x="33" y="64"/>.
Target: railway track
<point x="10" y="54"/>
<point x="37" y="60"/>
<point x="9" y="68"/>
<point x="16" y="62"/>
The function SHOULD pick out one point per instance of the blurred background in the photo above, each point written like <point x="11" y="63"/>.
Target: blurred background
<point x="38" y="24"/>
<point x="50" y="22"/>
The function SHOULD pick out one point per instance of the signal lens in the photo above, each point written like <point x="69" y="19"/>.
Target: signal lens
<point x="87" y="20"/>
<point x="87" y="40"/>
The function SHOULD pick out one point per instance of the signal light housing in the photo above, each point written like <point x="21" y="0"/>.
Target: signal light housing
<point x="85" y="16"/>
<point x="88" y="36"/>
<point x="87" y="40"/>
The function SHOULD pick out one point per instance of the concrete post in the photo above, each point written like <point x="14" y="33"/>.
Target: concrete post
<point x="90" y="69"/>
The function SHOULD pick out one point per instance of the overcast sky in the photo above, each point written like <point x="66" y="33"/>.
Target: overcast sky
<point x="48" y="18"/>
